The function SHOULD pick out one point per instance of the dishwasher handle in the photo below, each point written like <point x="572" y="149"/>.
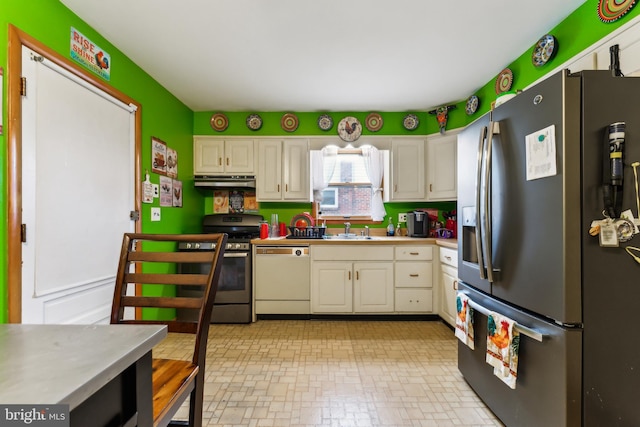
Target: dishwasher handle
<point x="283" y="251"/>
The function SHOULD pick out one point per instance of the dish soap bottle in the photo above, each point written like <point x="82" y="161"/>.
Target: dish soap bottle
<point x="390" y="228"/>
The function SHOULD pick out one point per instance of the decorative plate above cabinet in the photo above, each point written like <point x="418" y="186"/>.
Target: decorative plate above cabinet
<point x="410" y="122"/>
<point x="325" y="122"/>
<point x="349" y="129"/>
<point x="373" y="122"/>
<point x="472" y="104"/>
<point x="612" y="10"/>
<point x="544" y="50"/>
<point x="219" y="122"/>
<point x="504" y="81"/>
<point x="289" y="122"/>
<point x="254" y="121"/>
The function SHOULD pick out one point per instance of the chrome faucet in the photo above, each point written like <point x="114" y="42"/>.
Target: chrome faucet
<point x="366" y="230"/>
<point x="347" y="227"/>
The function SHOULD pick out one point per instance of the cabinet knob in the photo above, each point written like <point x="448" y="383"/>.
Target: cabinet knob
<point x="414" y="253"/>
<point x="349" y="275"/>
<point x="455" y="285"/>
<point x="357" y="275"/>
<point x="219" y="161"/>
<point x="227" y="161"/>
<point x="414" y="275"/>
<point x="448" y="257"/>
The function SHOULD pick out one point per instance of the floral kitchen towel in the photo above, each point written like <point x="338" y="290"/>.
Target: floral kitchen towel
<point x="464" y="320"/>
<point x="503" y="341"/>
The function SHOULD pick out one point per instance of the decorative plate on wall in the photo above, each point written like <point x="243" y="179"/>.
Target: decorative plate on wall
<point x="504" y="81"/>
<point x="349" y="129"/>
<point x="472" y="104"/>
<point x="612" y="10"/>
<point x="410" y="122"/>
<point x="219" y="122"/>
<point x="544" y="50"/>
<point x="373" y="122"/>
<point x="289" y="122"/>
<point x="254" y="121"/>
<point x="325" y="122"/>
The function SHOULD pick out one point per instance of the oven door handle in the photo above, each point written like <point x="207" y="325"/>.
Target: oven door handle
<point x="236" y="254"/>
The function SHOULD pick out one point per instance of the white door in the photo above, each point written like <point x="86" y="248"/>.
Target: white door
<point x="78" y="185"/>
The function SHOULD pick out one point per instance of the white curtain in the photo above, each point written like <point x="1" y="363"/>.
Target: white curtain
<point x="323" y="162"/>
<point x="374" y="164"/>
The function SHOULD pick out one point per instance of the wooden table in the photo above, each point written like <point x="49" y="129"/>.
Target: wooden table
<point x="103" y="372"/>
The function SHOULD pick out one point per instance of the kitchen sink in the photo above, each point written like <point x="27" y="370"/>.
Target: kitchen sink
<point x="350" y="236"/>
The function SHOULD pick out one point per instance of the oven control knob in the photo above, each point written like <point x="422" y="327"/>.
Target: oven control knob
<point x="188" y="245"/>
<point x="197" y="245"/>
<point x="298" y="252"/>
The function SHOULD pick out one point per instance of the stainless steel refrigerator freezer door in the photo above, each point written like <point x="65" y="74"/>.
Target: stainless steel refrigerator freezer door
<point x="548" y="388"/>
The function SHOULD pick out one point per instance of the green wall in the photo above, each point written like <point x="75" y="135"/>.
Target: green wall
<point x="165" y="117"/>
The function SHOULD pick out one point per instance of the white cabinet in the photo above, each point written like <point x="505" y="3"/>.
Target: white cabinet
<point x="414" y="279"/>
<point x="407" y="169"/>
<point x="283" y="170"/>
<point x="352" y="279"/>
<point x="442" y="167"/>
<point x="448" y="284"/>
<point x="219" y="156"/>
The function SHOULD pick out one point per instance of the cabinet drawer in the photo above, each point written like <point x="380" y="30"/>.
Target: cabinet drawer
<point x="410" y="253"/>
<point x="353" y="253"/>
<point x="414" y="274"/>
<point x="449" y="257"/>
<point x="414" y="300"/>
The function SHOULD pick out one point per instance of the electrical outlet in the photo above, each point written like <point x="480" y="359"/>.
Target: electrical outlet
<point x="402" y="217"/>
<point x="155" y="214"/>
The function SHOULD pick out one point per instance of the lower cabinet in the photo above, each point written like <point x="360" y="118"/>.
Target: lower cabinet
<point x="448" y="278"/>
<point x="414" y="279"/>
<point x="364" y="285"/>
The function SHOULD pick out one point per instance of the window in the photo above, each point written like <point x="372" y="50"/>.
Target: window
<point x="329" y="199"/>
<point x="349" y="192"/>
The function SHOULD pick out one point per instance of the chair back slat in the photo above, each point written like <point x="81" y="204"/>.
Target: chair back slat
<point x="168" y="279"/>
<point x="162" y="302"/>
<point x="184" y="257"/>
<point x="178" y="327"/>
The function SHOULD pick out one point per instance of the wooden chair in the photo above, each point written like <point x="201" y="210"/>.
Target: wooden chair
<point x="156" y="262"/>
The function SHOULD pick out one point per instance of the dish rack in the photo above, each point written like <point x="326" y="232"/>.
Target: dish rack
<point x="306" y="232"/>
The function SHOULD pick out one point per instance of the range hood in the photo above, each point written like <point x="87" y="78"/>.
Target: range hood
<point x="227" y="181"/>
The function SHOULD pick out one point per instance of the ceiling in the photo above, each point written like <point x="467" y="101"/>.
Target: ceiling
<point x="332" y="55"/>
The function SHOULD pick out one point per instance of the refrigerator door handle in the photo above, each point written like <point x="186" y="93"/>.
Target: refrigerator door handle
<point x="479" y="238"/>
<point x="531" y="333"/>
<point x="494" y="129"/>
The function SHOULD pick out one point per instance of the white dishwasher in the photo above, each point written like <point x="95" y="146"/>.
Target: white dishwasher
<point x="282" y="278"/>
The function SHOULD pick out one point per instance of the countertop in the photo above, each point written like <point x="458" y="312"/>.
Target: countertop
<point x="51" y="364"/>
<point x="377" y="240"/>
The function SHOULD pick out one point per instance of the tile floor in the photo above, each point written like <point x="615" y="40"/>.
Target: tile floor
<point x="334" y="373"/>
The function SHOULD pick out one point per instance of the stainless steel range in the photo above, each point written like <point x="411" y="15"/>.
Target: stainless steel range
<point x="233" y="299"/>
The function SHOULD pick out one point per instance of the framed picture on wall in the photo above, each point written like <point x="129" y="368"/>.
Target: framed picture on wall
<point x="158" y="156"/>
<point x="176" y="189"/>
<point x="172" y="163"/>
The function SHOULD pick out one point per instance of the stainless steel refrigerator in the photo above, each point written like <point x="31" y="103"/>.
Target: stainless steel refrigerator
<point x="531" y="178"/>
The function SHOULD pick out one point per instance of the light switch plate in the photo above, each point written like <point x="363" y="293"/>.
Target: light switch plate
<point x="156" y="191"/>
<point x="402" y="217"/>
<point x="155" y="214"/>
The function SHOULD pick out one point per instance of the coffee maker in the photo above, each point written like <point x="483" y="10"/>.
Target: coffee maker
<point x="418" y="224"/>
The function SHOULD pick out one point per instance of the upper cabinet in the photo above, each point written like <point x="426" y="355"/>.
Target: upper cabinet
<point x="283" y="170"/>
<point x="441" y="167"/>
<point x="407" y="169"/>
<point x="219" y="156"/>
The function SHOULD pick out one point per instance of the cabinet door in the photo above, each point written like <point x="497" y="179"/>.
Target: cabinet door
<point x="239" y="156"/>
<point x="441" y="167"/>
<point x="296" y="170"/>
<point x="208" y="156"/>
<point x="449" y="283"/>
<point x="331" y="287"/>
<point x="408" y="160"/>
<point x="373" y="287"/>
<point x="269" y="179"/>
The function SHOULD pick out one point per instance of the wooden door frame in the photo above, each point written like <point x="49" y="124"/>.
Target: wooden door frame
<point x="18" y="39"/>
